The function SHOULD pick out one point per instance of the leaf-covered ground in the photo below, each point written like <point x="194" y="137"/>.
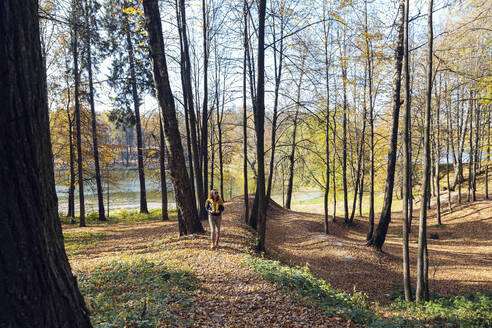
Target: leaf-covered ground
<point x="460" y="260"/>
<point x="139" y="273"/>
<point x="127" y="268"/>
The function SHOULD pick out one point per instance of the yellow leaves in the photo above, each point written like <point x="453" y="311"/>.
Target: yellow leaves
<point x="133" y="11"/>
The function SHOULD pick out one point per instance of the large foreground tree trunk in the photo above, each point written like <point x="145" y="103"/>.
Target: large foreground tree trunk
<point x="179" y="176"/>
<point x="377" y="240"/>
<point x="37" y="287"/>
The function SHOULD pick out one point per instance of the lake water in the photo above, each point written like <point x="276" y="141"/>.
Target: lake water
<point x="124" y="191"/>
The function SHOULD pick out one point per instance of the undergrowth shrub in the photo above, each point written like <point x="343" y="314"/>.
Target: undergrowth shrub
<point x="472" y="310"/>
<point x="138" y="293"/>
<point x="318" y="292"/>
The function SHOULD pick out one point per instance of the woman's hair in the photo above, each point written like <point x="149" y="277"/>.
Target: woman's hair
<point x="212" y="192"/>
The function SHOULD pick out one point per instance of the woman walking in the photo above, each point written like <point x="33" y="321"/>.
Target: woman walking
<point x="215" y="207"/>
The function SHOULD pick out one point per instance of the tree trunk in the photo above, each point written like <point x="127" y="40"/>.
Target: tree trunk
<point x="462" y="129"/>
<point x="220" y="115"/>
<point x="182" y="65"/>
<point x="326" y="32"/>
<point x="260" y="128"/>
<point x="212" y="150"/>
<point x="290" y="184"/>
<point x="205" y="98"/>
<point x="377" y="240"/>
<point x="437" y="155"/>
<point x="192" y="116"/>
<point x="343" y="66"/>
<point x="371" y="122"/>
<point x="422" y="293"/>
<point x="37" y="287"/>
<point x="470" y="152"/>
<point x="333" y="169"/>
<point x="361" y="188"/>
<point x="138" y="125"/>
<point x="100" y="195"/>
<point x="245" y="114"/>
<point x="448" y="137"/>
<point x="360" y="157"/>
<point x="476" y="155"/>
<point x="179" y="176"/>
<point x="488" y="158"/>
<point x="162" y="165"/>
<point x="278" y="79"/>
<point x="71" y="188"/>
<point x="75" y="53"/>
<point x="407" y="177"/>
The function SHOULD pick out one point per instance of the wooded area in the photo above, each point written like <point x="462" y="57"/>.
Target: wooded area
<point x="327" y="127"/>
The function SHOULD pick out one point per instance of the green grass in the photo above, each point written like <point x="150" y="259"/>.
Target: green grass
<point x="138" y="293"/>
<point x="310" y="290"/>
<point x="473" y="310"/>
<point x="123" y="216"/>
<point x="77" y="242"/>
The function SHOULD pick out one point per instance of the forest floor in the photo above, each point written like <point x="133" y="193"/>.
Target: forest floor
<point x="140" y="273"/>
<point x="460" y="260"/>
<point x="225" y="292"/>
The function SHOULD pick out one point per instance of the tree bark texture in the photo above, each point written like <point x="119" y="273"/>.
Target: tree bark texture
<point x="88" y="40"/>
<point x="75" y="54"/>
<point x="326" y="32"/>
<point x="407" y="177"/>
<point x="278" y="78"/>
<point x="422" y="292"/>
<point x="204" y="135"/>
<point x="179" y="176"/>
<point x="188" y="92"/>
<point x="245" y="112"/>
<point x="377" y="240"/>
<point x="290" y="184"/>
<point x="138" y="124"/>
<point x="71" y="188"/>
<point x="437" y="156"/>
<point x="37" y="287"/>
<point x="260" y="128"/>
<point x="162" y="165"/>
